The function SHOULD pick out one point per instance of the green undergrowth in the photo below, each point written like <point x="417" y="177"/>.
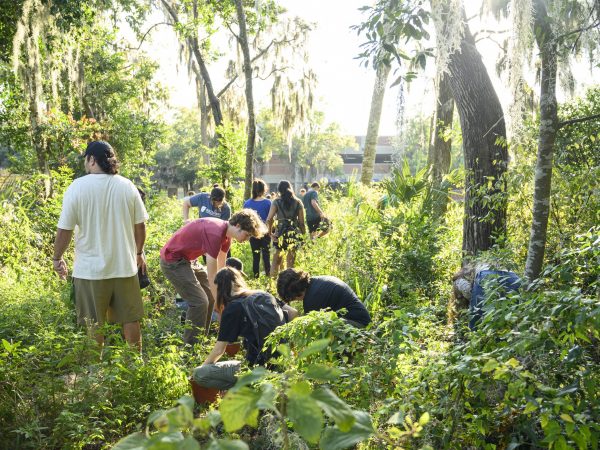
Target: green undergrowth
<point x="415" y="378"/>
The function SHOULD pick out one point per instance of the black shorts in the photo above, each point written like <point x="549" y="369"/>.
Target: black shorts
<point x="319" y="224"/>
<point x="313" y="224"/>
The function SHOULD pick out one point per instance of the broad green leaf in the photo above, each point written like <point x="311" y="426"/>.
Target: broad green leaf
<point x="335" y="439"/>
<point x="322" y="372"/>
<point x="239" y="408"/>
<point x="529" y="407"/>
<point x="490" y="365"/>
<point x="567" y="418"/>
<point x="424" y="419"/>
<point x="189" y="443"/>
<point x="257" y="374"/>
<point x="171" y="440"/>
<point x="560" y="443"/>
<point x="227" y="444"/>
<point x="335" y="408"/>
<point x="304" y="412"/>
<point x="284" y="349"/>
<point x="267" y="397"/>
<point x="396" y="419"/>
<point x="315" y="347"/>
<point x="135" y="441"/>
<point x="187" y="401"/>
<point x="214" y="417"/>
<point x="514" y="363"/>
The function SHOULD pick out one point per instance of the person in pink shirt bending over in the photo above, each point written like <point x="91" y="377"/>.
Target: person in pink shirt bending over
<point x="212" y="238"/>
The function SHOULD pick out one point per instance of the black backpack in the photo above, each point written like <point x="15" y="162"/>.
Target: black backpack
<point x="264" y="315"/>
<point x="287" y="225"/>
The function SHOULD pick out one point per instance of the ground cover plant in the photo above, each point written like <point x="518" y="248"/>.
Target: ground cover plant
<point x="414" y="379"/>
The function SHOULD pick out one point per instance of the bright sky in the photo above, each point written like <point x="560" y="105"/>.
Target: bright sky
<point x="344" y="86"/>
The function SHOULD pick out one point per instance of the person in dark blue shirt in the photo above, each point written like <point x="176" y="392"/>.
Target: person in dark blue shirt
<point x="209" y="205"/>
<point x="322" y="292"/>
<point x="261" y="205"/>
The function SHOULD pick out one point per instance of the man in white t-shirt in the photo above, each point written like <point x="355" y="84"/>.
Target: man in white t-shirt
<point x="107" y="214"/>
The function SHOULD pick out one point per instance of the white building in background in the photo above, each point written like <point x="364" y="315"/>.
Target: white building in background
<point x="279" y="167"/>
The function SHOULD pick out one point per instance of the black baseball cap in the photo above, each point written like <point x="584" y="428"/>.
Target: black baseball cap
<point x="99" y="149"/>
<point x="236" y="264"/>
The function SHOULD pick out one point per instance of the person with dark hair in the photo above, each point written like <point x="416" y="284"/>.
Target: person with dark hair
<point x="209" y="205"/>
<point x="236" y="264"/>
<point x="232" y="291"/>
<point x="210" y="237"/>
<point x="318" y="224"/>
<point x="322" y="292"/>
<point x="108" y="214"/>
<point x="289" y="212"/>
<point x="261" y="205"/>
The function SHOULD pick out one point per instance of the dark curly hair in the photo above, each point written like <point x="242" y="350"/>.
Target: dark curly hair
<point x="292" y="283"/>
<point x="249" y="221"/>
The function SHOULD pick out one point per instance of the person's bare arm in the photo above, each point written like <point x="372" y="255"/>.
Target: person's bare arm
<point x="270" y="217"/>
<point x="291" y="312"/>
<point x="315" y="204"/>
<point x="185" y="209"/>
<point x="139" y="233"/>
<point x="301" y="220"/>
<point x="216" y="352"/>
<point x="63" y="238"/>
<point x="212" y="267"/>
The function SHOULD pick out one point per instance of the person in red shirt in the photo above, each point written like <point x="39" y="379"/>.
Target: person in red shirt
<point x="212" y="238"/>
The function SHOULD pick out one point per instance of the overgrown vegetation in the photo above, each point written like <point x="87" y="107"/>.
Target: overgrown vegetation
<point x="528" y="377"/>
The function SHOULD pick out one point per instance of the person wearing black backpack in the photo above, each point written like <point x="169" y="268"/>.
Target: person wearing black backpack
<point x="290" y="230"/>
<point x="251" y="314"/>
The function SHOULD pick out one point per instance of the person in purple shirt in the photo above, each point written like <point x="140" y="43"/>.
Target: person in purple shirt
<point x="259" y="246"/>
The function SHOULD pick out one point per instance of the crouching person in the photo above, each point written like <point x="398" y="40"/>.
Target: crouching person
<point x="322" y="292"/>
<point x="253" y="315"/>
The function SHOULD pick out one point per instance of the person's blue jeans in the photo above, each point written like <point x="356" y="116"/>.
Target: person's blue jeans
<point x="509" y="281"/>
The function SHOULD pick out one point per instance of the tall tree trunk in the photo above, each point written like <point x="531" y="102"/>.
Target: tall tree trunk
<point x="370" y="152"/>
<point x="439" y="149"/>
<point x="438" y="158"/>
<point x="194" y="47"/>
<point x="202" y="106"/>
<point x="544" y="36"/>
<point x="243" y="41"/>
<point x="484" y="137"/>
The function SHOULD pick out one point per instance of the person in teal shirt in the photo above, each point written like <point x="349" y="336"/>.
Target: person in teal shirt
<point x="315" y="217"/>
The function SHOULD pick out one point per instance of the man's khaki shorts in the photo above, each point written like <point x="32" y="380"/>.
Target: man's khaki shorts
<point x="116" y="300"/>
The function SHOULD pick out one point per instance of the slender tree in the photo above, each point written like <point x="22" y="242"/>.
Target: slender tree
<point x="383" y="71"/>
<point x="546" y="41"/>
<point x="439" y="149"/>
<point x="242" y="39"/>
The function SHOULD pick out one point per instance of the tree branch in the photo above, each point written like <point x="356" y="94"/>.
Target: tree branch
<point x="147" y="32"/>
<point x="258" y="55"/>
<point x="565" y="123"/>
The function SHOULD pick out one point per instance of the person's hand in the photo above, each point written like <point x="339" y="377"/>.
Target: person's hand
<point x="186" y="221"/>
<point x="141" y="262"/>
<point x="60" y="267"/>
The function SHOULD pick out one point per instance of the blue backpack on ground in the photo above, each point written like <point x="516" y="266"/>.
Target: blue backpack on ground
<point x="507" y="281"/>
